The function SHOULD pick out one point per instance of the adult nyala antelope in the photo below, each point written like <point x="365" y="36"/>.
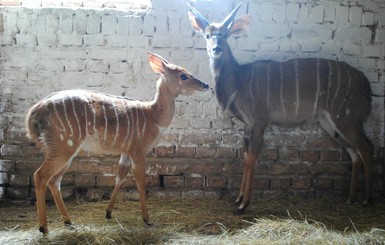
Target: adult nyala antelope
<point x="67" y="121"/>
<point x="289" y="93"/>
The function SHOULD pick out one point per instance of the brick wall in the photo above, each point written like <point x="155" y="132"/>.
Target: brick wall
<point x="48" y="49"/>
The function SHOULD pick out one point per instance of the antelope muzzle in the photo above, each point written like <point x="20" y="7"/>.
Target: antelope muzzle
<point x="214" y="47"/>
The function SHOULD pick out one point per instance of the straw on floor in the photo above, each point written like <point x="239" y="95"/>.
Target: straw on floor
<point x="269" y="220"/>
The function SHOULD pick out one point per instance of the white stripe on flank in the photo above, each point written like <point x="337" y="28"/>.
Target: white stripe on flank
<point x="76" y="117"/>
<point x="105" y="123"/>
<point x="347" y="89"/>
<point x="281" y="91"/>
<point x="137" y="120"/>
<point x="58" y="117"/>
<point x="329" y="82"/>
<point x="268" y="86"/>
<point x="66" y="116"/>
<point x="128" y="127"/>
<point x="296" y="85"/>
<point x="117" y="124"/>
<point x="131" y="128"/>
<point x="318" y="88"/>
<point x="144" y="122"/>
<point x="230" y="101"/>
<point x="338" y="85"/>
<point x="94" y="119"/>
<point x="250" y="90"/>
<point x="86" y="118"/>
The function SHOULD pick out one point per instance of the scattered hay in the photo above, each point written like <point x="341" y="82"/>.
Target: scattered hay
<point x="269" y="220"/>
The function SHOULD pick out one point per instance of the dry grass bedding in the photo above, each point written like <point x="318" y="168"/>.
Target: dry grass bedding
<point x="268" y="220"/>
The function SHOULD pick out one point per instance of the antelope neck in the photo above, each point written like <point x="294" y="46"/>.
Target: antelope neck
<point x="163" y="105"/>
<point x="224" y="70"/>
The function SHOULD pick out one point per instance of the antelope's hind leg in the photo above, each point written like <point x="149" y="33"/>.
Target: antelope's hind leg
<point x="359" y="148"/>
<point x="54" y="187"/>
<point x="49" y="174"/>
<point x="123" y="168"/>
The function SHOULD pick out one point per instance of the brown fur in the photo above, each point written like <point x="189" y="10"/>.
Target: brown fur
<point x="288" y="93"/>
<point x="68" y="121"/>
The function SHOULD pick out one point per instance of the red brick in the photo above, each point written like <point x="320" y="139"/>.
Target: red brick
<point x="234" y="181"/>
<point x="317" y="142"/>
<point x="19" y="180"/>
<point x="330" y="156"/>
<point x="233" y="167"/>
<point x="341" y="184"/>
<point x="27" y="166"/>
<point x="216" y="182"/>
<point x="105" y="180"/>
<point x="31" y="151"/>
<point x="226" y="152"/>
<point x="203" y="167"/>
<point x="280" y="184"/>
<point x="284" y="140"/>
<point x="302" y="183"/>
<point x="163" y="151"/>
<point x="323" y="183"/>
<point x="185" y="152"/>
<point x="288" y="154"/>
<point x="310" y="156"/>
<point x="269" y="154"/>
<point x="194" y="182"/>
<point x="330" y="168"/>
<point x="279" y="168"/>
<point x="85" y="180"/>
<point x="87" y="166"/>
<point x="151" y="181"/>
<point x="206" y="152"/>
<point x="173" y="181"/>
<point x="260" y="183"/>
<point x="201" y="138"/>
<point x="165" y="168"/>
<point x="68" y="180"/>
<point x="289" y="168"/>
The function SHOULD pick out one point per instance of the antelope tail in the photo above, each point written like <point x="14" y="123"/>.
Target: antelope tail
<point x="36" y="123"/>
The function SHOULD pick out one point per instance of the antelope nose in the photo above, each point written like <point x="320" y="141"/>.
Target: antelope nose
<point x="217" y="49"/>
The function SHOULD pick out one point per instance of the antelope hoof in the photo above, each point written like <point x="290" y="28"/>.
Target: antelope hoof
<point x="148" y="224"/>
<point x="108" y="214"/>
<point x="43" y="229"/>
<point x="367" y="203"/>
<point x="69" y="225"/>
<point x="350" y="201"/>
<point x="239" y="200"/>
<point x="239" y="211"/>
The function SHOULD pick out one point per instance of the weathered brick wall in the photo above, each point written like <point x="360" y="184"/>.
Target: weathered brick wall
<point x="49" y="49"/>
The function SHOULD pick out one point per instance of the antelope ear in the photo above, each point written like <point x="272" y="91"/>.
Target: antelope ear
<point x="240" y="25"/>
<point x="196" y="24"/>
<point x="157" y="63"/>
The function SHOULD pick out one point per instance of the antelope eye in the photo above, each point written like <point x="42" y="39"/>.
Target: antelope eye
<point x="207" y="36"/>
<point x="183" y="77"/>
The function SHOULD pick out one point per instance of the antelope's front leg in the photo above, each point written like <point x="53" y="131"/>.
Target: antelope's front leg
<point x="252" y="148"/>
<point x="140" y="178"/>
<point x="123" y="168"/>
